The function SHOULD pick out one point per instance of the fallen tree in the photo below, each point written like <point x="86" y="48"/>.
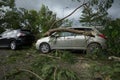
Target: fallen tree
<point x="86" y="33"/>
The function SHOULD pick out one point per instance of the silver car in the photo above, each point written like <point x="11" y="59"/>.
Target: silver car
<point x="69" y="40"/>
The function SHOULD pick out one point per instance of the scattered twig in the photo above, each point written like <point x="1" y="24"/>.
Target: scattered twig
<point x="114" y="58"/>
<point x="50" y="56"/>
<point x="55" y="73"/>
<point x="31" y="73"/>
<point x="4" y="72"/>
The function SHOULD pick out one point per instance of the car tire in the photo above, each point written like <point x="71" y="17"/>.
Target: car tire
<point x="93" y="48"/>
<point x="45" y="48"/>
<point x="13" y="45"/>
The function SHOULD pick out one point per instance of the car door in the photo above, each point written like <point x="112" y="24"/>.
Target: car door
<point x="3" y="39"/>
<point x="79" y="42"/>
<point x="62" y="41"/>
<point x="6" y="38"/>
<point x="1" y="43"/>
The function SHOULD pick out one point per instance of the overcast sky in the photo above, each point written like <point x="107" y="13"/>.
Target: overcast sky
<point x="64" y="7"/>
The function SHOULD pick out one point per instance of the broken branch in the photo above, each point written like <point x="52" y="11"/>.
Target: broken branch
<point x="68" y="14"/>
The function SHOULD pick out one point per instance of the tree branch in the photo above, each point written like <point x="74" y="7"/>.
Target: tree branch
<point x="55" y="73"/>
<point x="50" y="56"/>
<point x="114" y="58"/>
<point x="68" y="15"/>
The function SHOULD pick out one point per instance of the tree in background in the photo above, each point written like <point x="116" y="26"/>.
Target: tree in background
<point x="9" y="3"/>
<point x="5" y="4"/>
<point x="12" y="19"/>
<point x="38" y="21"/>
<point x="95" y="12"/>
<point x="29" y="20"/>
<point x="46" y="18"/>
<point x="1" y="20"/>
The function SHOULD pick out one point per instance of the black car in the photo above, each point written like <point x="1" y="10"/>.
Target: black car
<point x="16" y="38"/>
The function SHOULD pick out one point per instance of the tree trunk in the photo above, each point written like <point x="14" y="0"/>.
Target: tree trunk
<point x="87" y="33"/>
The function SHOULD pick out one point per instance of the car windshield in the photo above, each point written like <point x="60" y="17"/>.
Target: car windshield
<point x="26" y="31"/>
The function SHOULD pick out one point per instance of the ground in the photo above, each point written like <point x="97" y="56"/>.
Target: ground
<point x="85" y="67"/>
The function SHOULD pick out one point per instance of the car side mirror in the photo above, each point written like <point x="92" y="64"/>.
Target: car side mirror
<point x="52" y="35"/>
<point x="55" y="36"/>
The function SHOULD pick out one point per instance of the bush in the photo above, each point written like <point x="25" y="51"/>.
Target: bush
<point x="112" y="31"/>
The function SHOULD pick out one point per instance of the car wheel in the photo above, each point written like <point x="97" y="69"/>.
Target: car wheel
<point x="94" y="48"/>
<point x="45" y="48"/>
<point x="13" y="45"/>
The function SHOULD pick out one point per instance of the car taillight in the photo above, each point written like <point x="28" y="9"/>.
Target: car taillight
<point x="20" y="34"/>
<point x="102" y="36"/>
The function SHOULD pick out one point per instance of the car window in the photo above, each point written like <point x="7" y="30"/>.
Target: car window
<point x="64" y="34"/>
